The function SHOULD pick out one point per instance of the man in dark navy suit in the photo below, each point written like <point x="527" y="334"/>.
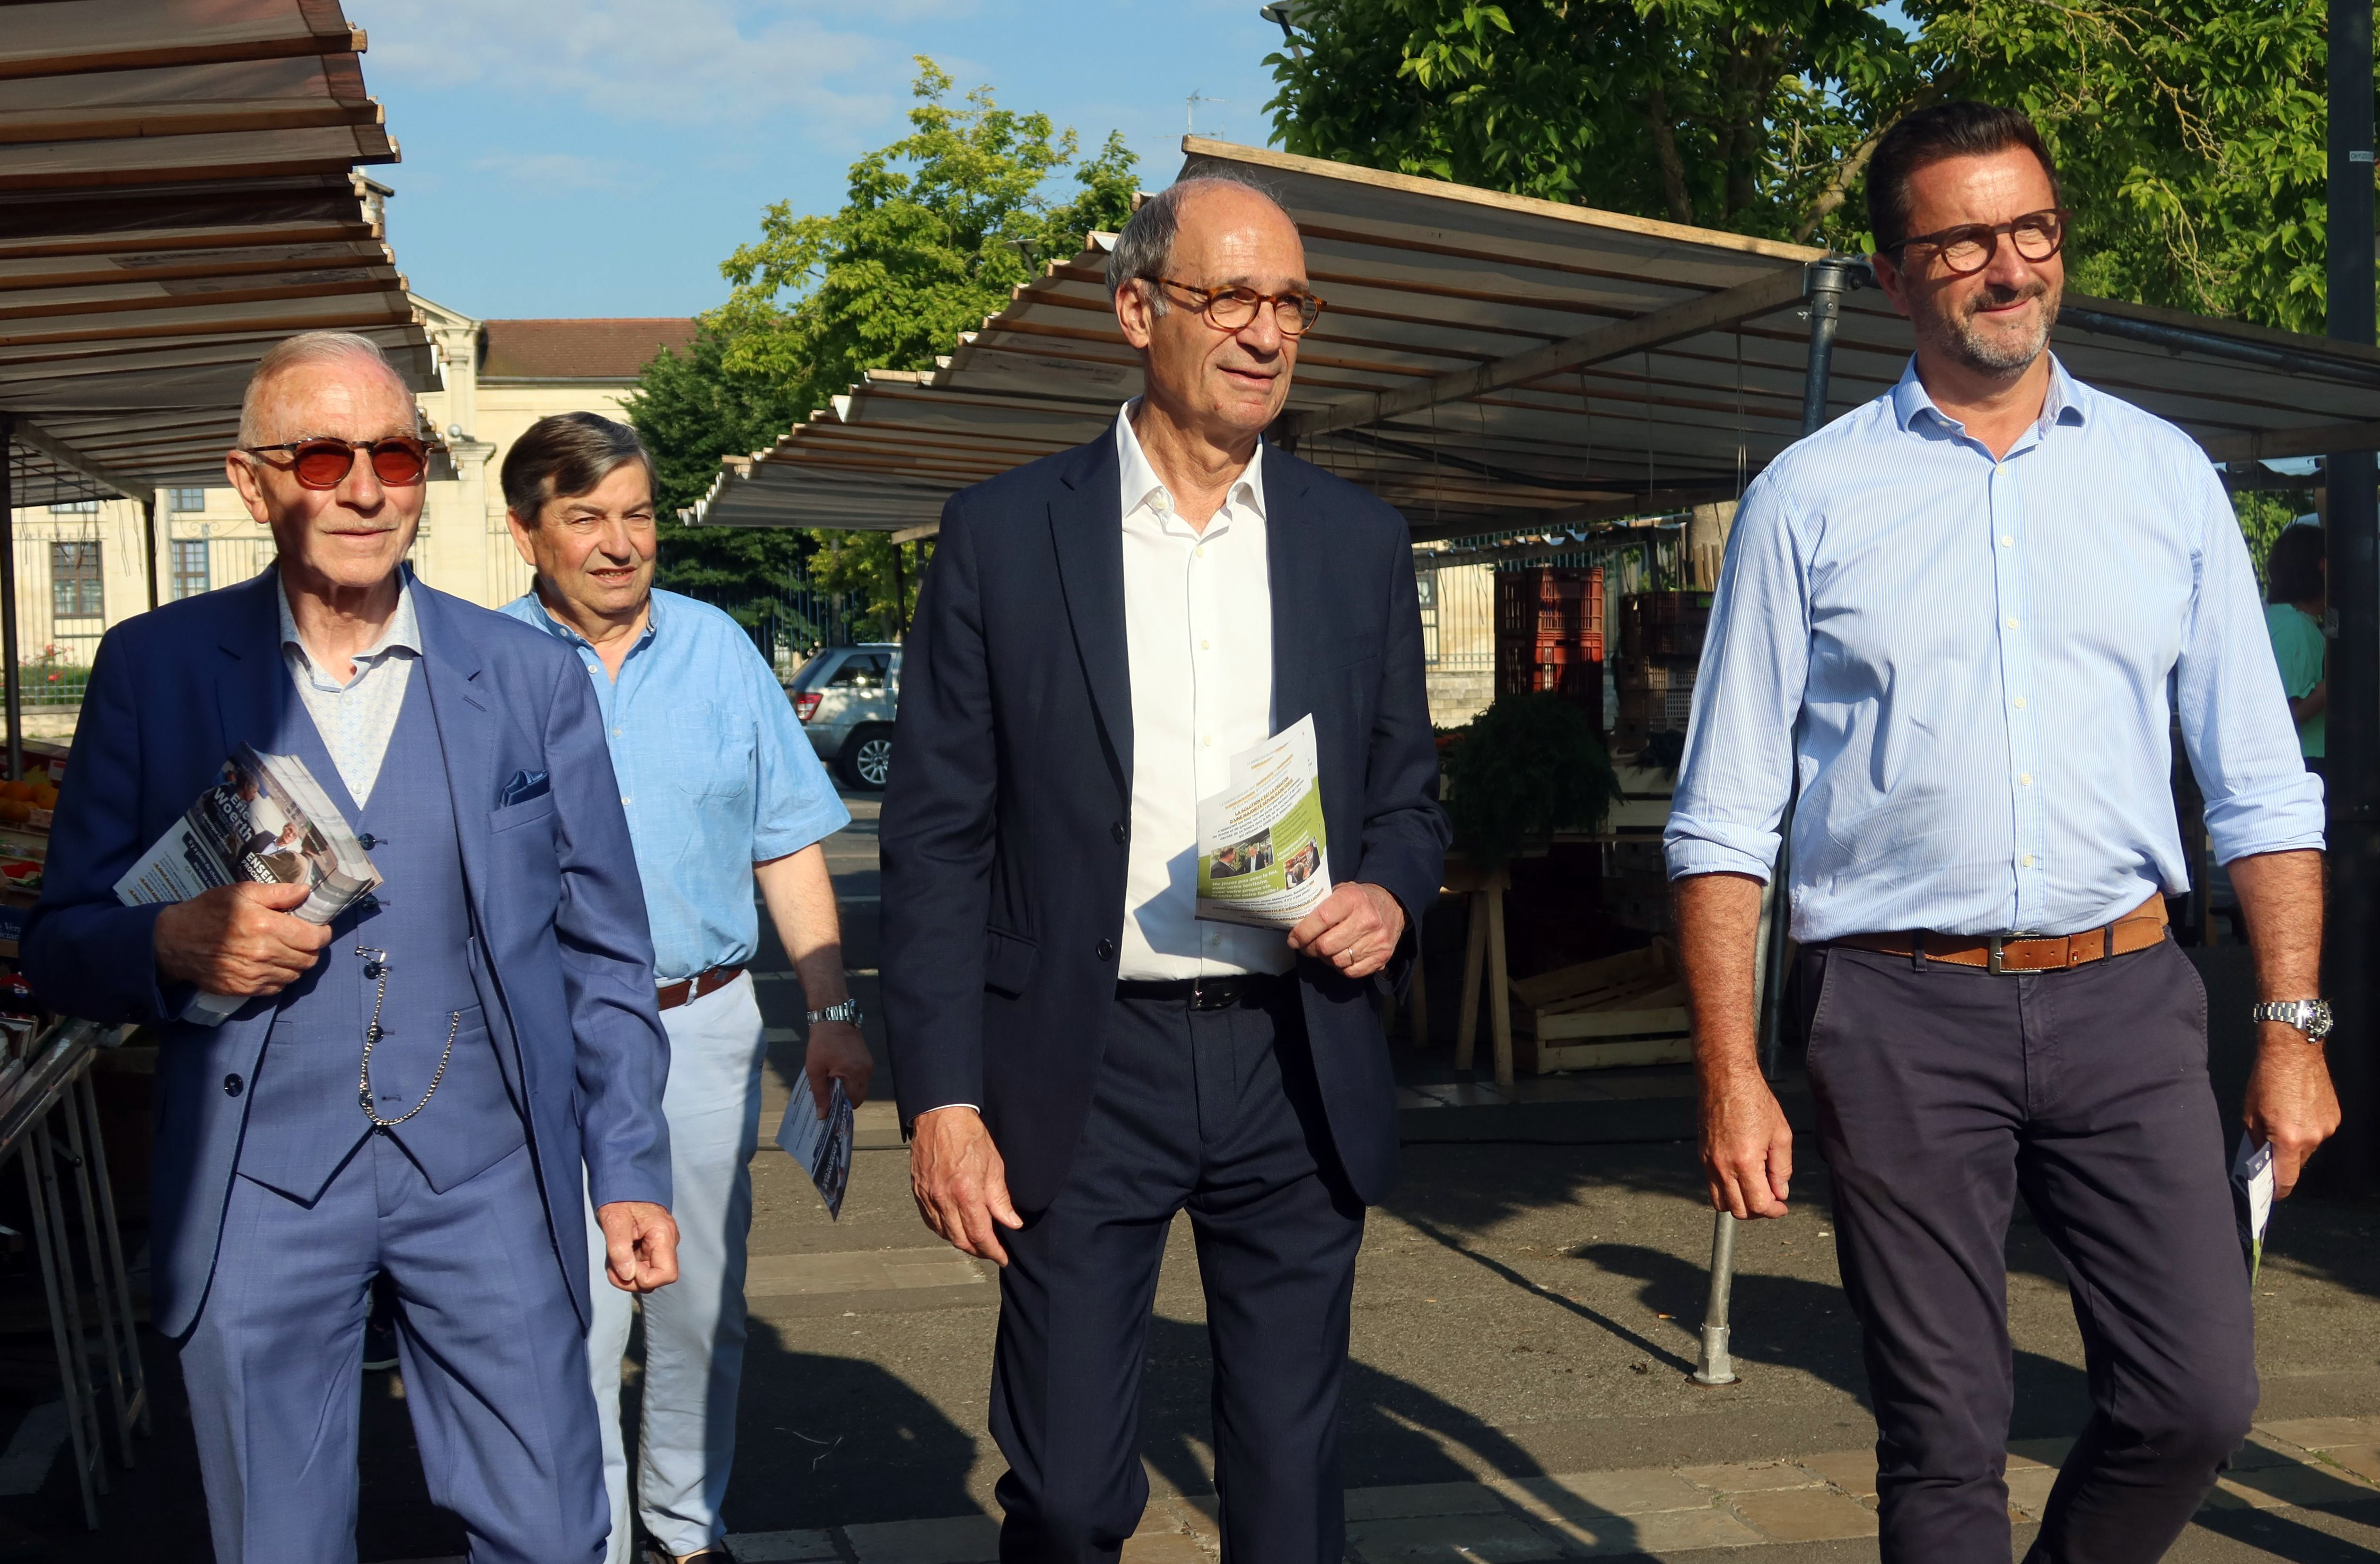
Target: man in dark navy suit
<point x="1078" y="1056"/>
<point x="413" y="1091"/>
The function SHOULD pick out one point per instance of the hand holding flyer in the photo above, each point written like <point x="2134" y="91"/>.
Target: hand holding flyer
<point x="1262" y="857"/>
<point x="267" y="822"/>
<point x="821" y="1145"/>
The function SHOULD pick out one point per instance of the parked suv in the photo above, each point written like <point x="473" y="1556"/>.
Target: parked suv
<point x="844" y="696"/>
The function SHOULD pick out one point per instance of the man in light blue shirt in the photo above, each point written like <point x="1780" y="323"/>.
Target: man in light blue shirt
<point x="1960" y="619"/>
<point x="722" y="791"/>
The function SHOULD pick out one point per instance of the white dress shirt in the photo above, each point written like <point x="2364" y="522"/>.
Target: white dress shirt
<point x="1197" y="612"/>
<point x="357" y="718"/>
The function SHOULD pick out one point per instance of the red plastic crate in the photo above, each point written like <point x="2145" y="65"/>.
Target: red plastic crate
<point x="1541" y="601"/>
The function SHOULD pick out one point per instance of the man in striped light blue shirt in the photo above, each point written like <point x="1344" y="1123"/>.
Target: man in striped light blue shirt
<point x="1961" y="619"/>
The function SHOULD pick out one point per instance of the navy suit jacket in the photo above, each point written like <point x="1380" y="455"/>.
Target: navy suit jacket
<point x="559" y="949"/>
<point x="1005" y="827"/>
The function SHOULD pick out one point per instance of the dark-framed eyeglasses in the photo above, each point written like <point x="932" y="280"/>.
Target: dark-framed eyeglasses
<point x="1231" y="309"/>
<point x="398" y="460"/>
<point x="1969" y="247"/>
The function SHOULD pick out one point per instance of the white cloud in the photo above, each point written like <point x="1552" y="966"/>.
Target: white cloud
<point x="560" y="173"/>
<point x="681" y="61"/>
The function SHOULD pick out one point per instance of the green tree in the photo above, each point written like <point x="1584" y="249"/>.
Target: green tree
<point x="937" y="231"/>
<point x="2190" y="132"/>
<point x="1748" y="114"/>
<point x="691" y="408"/>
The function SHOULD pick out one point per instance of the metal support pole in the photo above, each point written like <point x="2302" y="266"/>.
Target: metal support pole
<point x="1828" y="280"/>
<point x="149" y="531"/>
<point x="84" y="1098"/>
<point x="65" y="1319"/>
<point x="1717" y="1367"/>
<point x="120" y="1393"/>
<point x="2353" y="778"/>
<point x="14" y="699"/>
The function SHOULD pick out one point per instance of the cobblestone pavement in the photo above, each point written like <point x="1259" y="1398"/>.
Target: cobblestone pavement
<point x="1524" y="1326"/>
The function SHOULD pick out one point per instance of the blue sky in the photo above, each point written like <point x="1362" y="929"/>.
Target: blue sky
<point x="602" y="157"/>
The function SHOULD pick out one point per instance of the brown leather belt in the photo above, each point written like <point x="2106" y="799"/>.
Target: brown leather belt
<point x="2136" y="931"/>
<point x="669" y="995"/>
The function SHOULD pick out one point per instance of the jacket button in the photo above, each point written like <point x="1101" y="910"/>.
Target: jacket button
<point x="234" y="1085"/>
<point x="1107" y="950"/>
<point x="1118" y="831"/>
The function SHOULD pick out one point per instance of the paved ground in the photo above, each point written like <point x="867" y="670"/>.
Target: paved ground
<point x="1524" y="1328"/>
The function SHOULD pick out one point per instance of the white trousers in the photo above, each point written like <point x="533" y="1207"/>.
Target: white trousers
<point x="693" y="1329"/>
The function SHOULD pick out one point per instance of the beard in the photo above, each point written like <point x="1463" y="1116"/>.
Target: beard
<point x="1996" y="352"/>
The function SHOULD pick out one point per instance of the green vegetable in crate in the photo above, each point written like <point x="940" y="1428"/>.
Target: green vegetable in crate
<point x="1528" y="766"/>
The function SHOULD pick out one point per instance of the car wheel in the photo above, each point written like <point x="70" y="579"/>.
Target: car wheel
<point x="866" y="759"/>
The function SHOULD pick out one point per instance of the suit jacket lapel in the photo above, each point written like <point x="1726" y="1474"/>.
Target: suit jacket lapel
<point x="466" y="733"/>
<point x="1086" y="528"/>
<point x="252" y="697"/>
<point x="1295" y="568"/>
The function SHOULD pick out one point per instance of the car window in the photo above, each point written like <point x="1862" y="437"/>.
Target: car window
<point x="863" y="670"/>
<point x="813" y="674"/>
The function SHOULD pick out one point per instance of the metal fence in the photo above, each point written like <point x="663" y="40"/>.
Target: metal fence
<point x="792" y="621"/>
<point x="1458" y="616"/>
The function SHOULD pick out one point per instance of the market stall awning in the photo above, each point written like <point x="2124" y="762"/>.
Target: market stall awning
<point x="179" y="190"/>
<point x="1488" y="362"/>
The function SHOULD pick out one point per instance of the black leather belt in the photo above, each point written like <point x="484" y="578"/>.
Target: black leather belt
<point x="1209" y="993"/>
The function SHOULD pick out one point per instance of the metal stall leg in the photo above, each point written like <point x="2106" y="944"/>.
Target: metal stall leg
<point x="113" y="1254"/>
<point x="65" y="1329"/>
<point x="1828" y="280"/>
<point x="70" y="1293"/>
<point x="105" y="1302"/>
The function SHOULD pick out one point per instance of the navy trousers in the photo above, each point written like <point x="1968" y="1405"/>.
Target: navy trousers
<point x="1215" y="1111"/>
<point x="495" y="1365"/>
<point x="1941" y="1092"/>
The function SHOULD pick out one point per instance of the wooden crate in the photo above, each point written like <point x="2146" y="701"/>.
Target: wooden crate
<point x="1622" y="1010"/>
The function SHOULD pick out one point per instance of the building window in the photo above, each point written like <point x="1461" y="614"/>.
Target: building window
<point x="75" y="507"/>
<point x="189" y="566"/>
<point x="75" y="589"/>
<point x="181" y="502"/>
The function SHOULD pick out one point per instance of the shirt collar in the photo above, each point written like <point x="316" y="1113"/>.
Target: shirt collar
<point x="2065" y="403"/>
<point x="1140" y="479"/>
<point x="552" y="626"/>
<point x="403" y="633"/>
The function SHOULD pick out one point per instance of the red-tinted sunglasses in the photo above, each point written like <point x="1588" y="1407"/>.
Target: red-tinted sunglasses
<point x="399" y="460"/>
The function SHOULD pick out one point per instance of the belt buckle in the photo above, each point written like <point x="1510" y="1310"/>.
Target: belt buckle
<point x="1994" y="965"/>
<point x="1218" y="994"/>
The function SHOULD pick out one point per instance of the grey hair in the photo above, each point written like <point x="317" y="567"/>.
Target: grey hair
<point x="1145" y="250"/>
<point x="306" y="347"/>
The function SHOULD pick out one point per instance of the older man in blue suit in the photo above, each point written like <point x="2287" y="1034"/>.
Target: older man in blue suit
<point x="411" y="1091"/>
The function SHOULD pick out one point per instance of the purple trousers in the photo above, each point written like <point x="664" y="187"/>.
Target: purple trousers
<point x="1941" y="1092"/>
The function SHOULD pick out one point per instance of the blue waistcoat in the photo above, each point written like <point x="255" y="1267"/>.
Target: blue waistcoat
<point x="307" y="1119"/>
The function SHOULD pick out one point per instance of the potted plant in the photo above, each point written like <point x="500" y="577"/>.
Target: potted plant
<point x="1528" y="766"/>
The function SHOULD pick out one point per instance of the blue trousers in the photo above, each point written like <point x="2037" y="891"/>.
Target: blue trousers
<point x="1944" y="1091"/>
<point x="495" y="1365"/>
<point x="1215" y="1113"/>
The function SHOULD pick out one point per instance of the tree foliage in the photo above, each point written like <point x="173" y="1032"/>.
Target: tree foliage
<point x="2190" y="132"/>
<point x="690" y="409"/>
<point x="935" y="233"/>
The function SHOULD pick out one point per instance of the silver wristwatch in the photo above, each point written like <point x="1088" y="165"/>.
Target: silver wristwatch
<point x="2309" y="1016"/>
<point x="849" y="1010"/>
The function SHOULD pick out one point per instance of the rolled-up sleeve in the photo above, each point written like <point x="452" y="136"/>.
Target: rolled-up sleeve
<point x="1738" y="771"/>
<point x="2235" y="719"/>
